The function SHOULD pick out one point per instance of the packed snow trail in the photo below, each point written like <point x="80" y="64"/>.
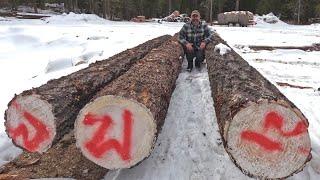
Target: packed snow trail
<point x="189" y="145"/>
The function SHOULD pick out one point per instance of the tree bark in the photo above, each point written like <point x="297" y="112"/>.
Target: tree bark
<point x="35" y="6"/>
<point x="237" y="5"/>
<point x="14" y="5"/>
<point x="109" y="9"/>
<point x="52" y="108"/>
<point x="64" y="159"/>
<point x="263" y="132"/>
<point x="130" y="111"/>
<point x="104" y="8"/>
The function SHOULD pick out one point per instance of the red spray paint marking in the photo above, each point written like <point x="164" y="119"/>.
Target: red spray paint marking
<point x="262" y="140"/>
<point x="41" y="131"/>
<point x="273" y="121"/>
<point x="98" y="146"/>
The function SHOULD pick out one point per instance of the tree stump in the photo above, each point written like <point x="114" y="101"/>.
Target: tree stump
<point x="38" y="118"/>
<point x="119" y="127"/>
<point x="263" y="132"/>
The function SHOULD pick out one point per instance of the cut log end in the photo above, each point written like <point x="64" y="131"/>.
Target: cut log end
<point x="268" y="140"/>
<point x="115" y="132"/>
<point x="30" y="123"/>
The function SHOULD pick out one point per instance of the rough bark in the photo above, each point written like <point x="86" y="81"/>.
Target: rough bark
<point x="135" y="107"/>
<point x="64" y="159"/>
<point x="57" y="103"/>
<point x="263" y="132"/>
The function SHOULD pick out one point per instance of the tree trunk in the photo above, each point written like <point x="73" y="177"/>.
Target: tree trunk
<point x="91" y="6"/>
<point x="237" y="5"/>
<point x="76" y="7"/>
<point x="48" y="112"/>
<point x="66" y="7"/>
<point x="104" y="8"/>
<point x="135" y="104"/>
<point x="263" y="132"/>
<point x="109" y="9"/>
<point x="64" y="159"/>
<point x="14" y="5"/>
<point x="35" y="6"/>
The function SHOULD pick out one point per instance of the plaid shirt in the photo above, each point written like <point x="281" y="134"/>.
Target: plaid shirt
<point x="195" y="34"/>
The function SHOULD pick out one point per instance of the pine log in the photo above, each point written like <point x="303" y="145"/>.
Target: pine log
<point x="264" y="133"/>
<point x="120" y="125"/>
<point x="38" y="118"/>
<point x="64" y="159"/>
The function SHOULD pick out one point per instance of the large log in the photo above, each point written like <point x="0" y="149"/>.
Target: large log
<point x="38" y="118"/>
<point x="63" y="159"/>
<point x="118" y="128"/>
<point x="263" y="132"/>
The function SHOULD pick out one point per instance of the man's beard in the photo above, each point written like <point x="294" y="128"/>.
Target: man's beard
<point x="195" y="21"/>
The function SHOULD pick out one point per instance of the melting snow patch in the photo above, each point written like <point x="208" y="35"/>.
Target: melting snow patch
<point x="223" y="49"/>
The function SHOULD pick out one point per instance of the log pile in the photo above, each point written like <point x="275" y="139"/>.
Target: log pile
<point x="117" y="128"/>
<point x="50" y="110"/>
<point x="263" y="132"/>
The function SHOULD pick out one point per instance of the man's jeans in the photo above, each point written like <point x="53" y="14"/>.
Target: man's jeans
<point x="196" y="53"/>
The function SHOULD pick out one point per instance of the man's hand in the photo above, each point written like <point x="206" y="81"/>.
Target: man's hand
<point x="202" y="45"/>
<point x="189" y="47"/>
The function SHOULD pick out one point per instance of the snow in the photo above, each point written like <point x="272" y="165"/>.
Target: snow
<point x="76" y="19"/>
<point x="268" y="18"/>
<point x="189" y="146"/>
<point x="222" y="49"/>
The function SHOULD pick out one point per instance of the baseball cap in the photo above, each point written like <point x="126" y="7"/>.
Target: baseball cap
<point x="195" y="12"/>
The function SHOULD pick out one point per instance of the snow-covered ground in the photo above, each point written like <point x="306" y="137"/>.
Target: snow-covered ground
<point x="189" y="146"/>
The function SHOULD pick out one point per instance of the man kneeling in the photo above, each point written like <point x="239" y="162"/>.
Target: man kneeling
<point x="194" y="36"/>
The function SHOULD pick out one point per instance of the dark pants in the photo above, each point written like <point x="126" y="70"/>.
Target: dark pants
<point x="196" y="53"/>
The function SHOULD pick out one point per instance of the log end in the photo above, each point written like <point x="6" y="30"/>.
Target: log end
<point x="268" y="140"/>
<point x="115" y="132"/>
<point x="30" y="123"/>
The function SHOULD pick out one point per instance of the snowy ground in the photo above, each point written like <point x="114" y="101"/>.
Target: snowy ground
<point x="189" y="146"/>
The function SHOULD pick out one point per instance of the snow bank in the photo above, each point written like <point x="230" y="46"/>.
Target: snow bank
<point x="268" y="19"/>
<point x="223" y="49"/>
<point x="73" y="18"/>
<point x="3" y="19"/>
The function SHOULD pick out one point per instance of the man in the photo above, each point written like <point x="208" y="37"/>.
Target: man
<point x="194" y="36"/>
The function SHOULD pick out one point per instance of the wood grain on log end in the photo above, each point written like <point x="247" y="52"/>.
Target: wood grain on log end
<point x="268" y="140"/>
<point x="30" y="123"/>
<point x="115" y="132"/>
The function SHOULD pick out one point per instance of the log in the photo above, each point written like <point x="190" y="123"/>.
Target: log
<point x="64" y="159"/>
<point x="264" y="133"/>
<point x="120" y="125"/>
<point x="38" y="118"/>
<point x="313" y="47"/>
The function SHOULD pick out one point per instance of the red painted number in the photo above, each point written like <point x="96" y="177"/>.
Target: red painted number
<point x="99" y="145"/>
<point x="41" y="131"/>
<point x="273" y="121"/>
